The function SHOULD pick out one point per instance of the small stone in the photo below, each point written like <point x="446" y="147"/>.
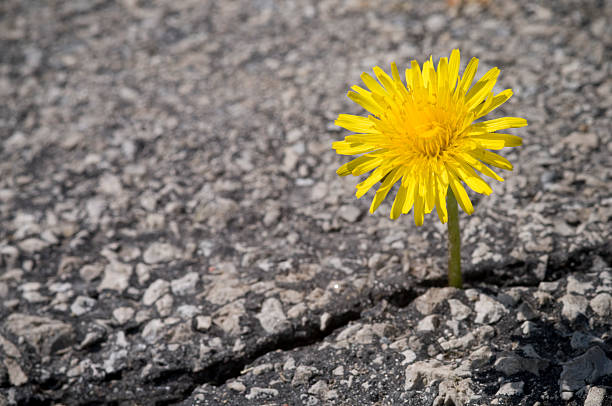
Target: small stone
<point x="458" y="310"/>
<point x="480" y="357"/>
<point x="203" y="323"/>
<point x="159" y="253"/>
<point x="225" y="291"/>
<point x="153" y="330"/>
<point x="44" y="334"/>
<point x="155" y="290"/>
<point x="582" y="341"/>
<point x="525" y="312"/>
<point x="82" y="305"/>
<point x="428" y="323"/>
<point x="116" y="277"/>
<point x="289" y="364"/>
<point x="9" y="348"/>
<point x="549" y="287"/>
<point x="488" y="310"/>
<point x="319" y="389"/>
<point x="256" y="393"/>
<point x="164" y="305"/>
<point x="297" y="311"/>
<point x="349" y="213"/>
<point x="596" y="396"/>
<point x="236" y="386"/>
<point x="16" y="375"/>
<point x="511" y="389"/>
<point x="110" y="185"/>
<point x="513" y="364"/>
<point x="585" y="369"/>
<point x="427" y="302"/>
<point x="435" y="22"/>
<point x="123" y="314"/>
<point x="528" y="328"/>
<point x="228" y="317"/>
<point x="565" y="395"/>
<point x="409" y="357"/>
<point x="575" y="286"/>
<point x="573" y="306"/>
<point x="90" y="272"/>
<point x="324" y="321"/>
<point x="272" y="318"/>
<point x="262" y="369"/>
<point x="463" y="342"/>
<point x="583" y="142"/>
<point x="302" y="374"/>
<point x="32" y="245"/>
<point x="187" y="312"/>
<point x="185" y="285"/>
<point x="143" y="272"/>
<point x="602" y="305"/>
<point x="338" y="371"/>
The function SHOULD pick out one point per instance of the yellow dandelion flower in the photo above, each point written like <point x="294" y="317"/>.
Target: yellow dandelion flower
<point x="425" y="135"/>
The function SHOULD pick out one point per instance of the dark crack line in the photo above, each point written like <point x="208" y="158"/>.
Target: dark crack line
<point x="559" y="265"/>
<point x="225" y="369"/>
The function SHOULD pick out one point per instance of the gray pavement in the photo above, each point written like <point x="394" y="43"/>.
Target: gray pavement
<point x="173" y="230"/>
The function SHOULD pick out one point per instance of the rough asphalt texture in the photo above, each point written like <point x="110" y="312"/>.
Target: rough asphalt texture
<point x="173" y="231"/>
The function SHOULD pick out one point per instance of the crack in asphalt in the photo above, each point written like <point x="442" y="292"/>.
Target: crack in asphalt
<point x="184" y="380"/>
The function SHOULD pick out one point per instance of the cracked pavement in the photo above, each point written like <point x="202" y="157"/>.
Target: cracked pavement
<point x="174" y="232"/>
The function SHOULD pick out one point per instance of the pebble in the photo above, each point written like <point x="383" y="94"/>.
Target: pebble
<point x="575" y="286"/>
<point x="513" y="364"/>
<point x="155" y="290"/>
<point x="116" y="277"/>
<point x="187" y="312"/>
<point x="585" y="369"/>
<point x="153" y="330"/>
<point x="349" y="213"/>
<point x="480" y="357"/>
<point x="44" y="334"/>
<point x="90" y="272"/>
<point x="573" y="306"/>
<point x="458" y="310"/>
<point x="595" y="397"/>
<point x="16" y="375"/>
<point x="123" y="314"/>
<point x="203" y="323"/>
<point x="428" y="323"/>
<point x="164" y="305"/>
<point x="159" y="253"/>
<point x="511" y="389"/>
<point x="302" y="374"/>
<point x="549" y="287"/>
<point x="602" y="305"/>
<point x="525" y="312"/>
<point x="185" y="285"/>
<point x="257" y="393"/>
<point x="435" y="22"/>
<point x="427" y="302"/>
<point x="236" y="386"/>
<point x="488" y="310"/>
<point x="33" y="245"/>
<point x="82" y="305"/>
<point x="272" y="318"/>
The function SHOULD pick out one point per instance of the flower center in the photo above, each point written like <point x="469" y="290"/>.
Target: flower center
<point x="432" y="138"/>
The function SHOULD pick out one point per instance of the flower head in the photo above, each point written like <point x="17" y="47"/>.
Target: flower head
<point x="425" y="136"/>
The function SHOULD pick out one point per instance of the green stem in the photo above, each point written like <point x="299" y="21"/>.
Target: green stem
<point x="454" y="242"/>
